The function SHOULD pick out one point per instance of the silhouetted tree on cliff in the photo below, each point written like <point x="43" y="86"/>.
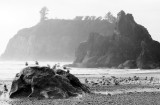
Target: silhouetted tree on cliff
<point x="110" y="17"/>
<point x="78" y="18"/>
<point x="43" y="13"/>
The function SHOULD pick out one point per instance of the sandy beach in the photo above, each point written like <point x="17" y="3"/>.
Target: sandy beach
<point x="130" y="89"/>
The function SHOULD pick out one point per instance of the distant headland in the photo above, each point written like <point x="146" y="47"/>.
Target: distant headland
<point x="55" y="39"/>
<point x="129" y="47"/>
<point x="112" y="42"/>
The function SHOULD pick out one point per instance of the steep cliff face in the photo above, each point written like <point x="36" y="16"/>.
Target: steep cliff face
<point x="149" y="57"/>
<point x="120" y="49"/>
<point x="53" y="39"/>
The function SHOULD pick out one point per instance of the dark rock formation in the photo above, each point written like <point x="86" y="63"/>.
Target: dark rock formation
<point x="43" y="82"/>
<point x="149" y="57"/>
<point x="122" y="47"/>
<point x="53" y="39"/>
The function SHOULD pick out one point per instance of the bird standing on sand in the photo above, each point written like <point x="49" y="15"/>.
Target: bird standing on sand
<point x="26" y="63"/>
<point x="5" y="88"/>
<point x="86" y="81"/>
<point x="151" y="79"/>
<point x="36" y="62"/>
<point x="64" y="67"/>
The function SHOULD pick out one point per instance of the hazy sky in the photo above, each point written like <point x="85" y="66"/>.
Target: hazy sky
<point x="18" y="14"/>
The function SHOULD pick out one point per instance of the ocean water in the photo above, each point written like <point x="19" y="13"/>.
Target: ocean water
<point x="8" y="69"/>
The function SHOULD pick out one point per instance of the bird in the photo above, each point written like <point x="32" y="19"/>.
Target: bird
<point x="5" y="88"/>
<point x="26" y="63"/>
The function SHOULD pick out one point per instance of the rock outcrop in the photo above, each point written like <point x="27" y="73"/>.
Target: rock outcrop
<point x="45" y="82"/>
<point x="130" y="46"/>
<point x="53" y="39"/>
<point x="149" y="57"/>
<point x="129" y="64"/>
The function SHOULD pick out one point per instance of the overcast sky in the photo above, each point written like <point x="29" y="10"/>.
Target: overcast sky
<point x="18" y="14"/>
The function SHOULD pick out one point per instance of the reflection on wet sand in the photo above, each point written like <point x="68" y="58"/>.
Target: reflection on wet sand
<point x="125" y="91"/>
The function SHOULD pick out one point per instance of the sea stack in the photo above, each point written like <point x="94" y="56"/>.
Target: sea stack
<point x="130" y="46"/>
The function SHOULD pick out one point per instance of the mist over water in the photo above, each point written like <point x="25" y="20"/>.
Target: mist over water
<point x="8" y="69"/>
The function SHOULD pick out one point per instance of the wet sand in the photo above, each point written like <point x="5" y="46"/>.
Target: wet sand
<point x="127" y="92"/>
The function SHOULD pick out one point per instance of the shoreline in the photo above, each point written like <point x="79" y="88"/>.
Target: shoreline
<point x="133" y="92"/>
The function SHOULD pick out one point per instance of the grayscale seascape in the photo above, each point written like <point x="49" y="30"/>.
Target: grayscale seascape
<point x="79" y="52"/>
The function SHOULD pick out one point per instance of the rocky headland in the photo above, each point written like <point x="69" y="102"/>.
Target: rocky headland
<point x="124" y="44"/>
<point x="54" y="39"/>
<point x="130" y="46"/>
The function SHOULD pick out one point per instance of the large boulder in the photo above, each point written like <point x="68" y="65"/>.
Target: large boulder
<point x="45" y="82"/>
